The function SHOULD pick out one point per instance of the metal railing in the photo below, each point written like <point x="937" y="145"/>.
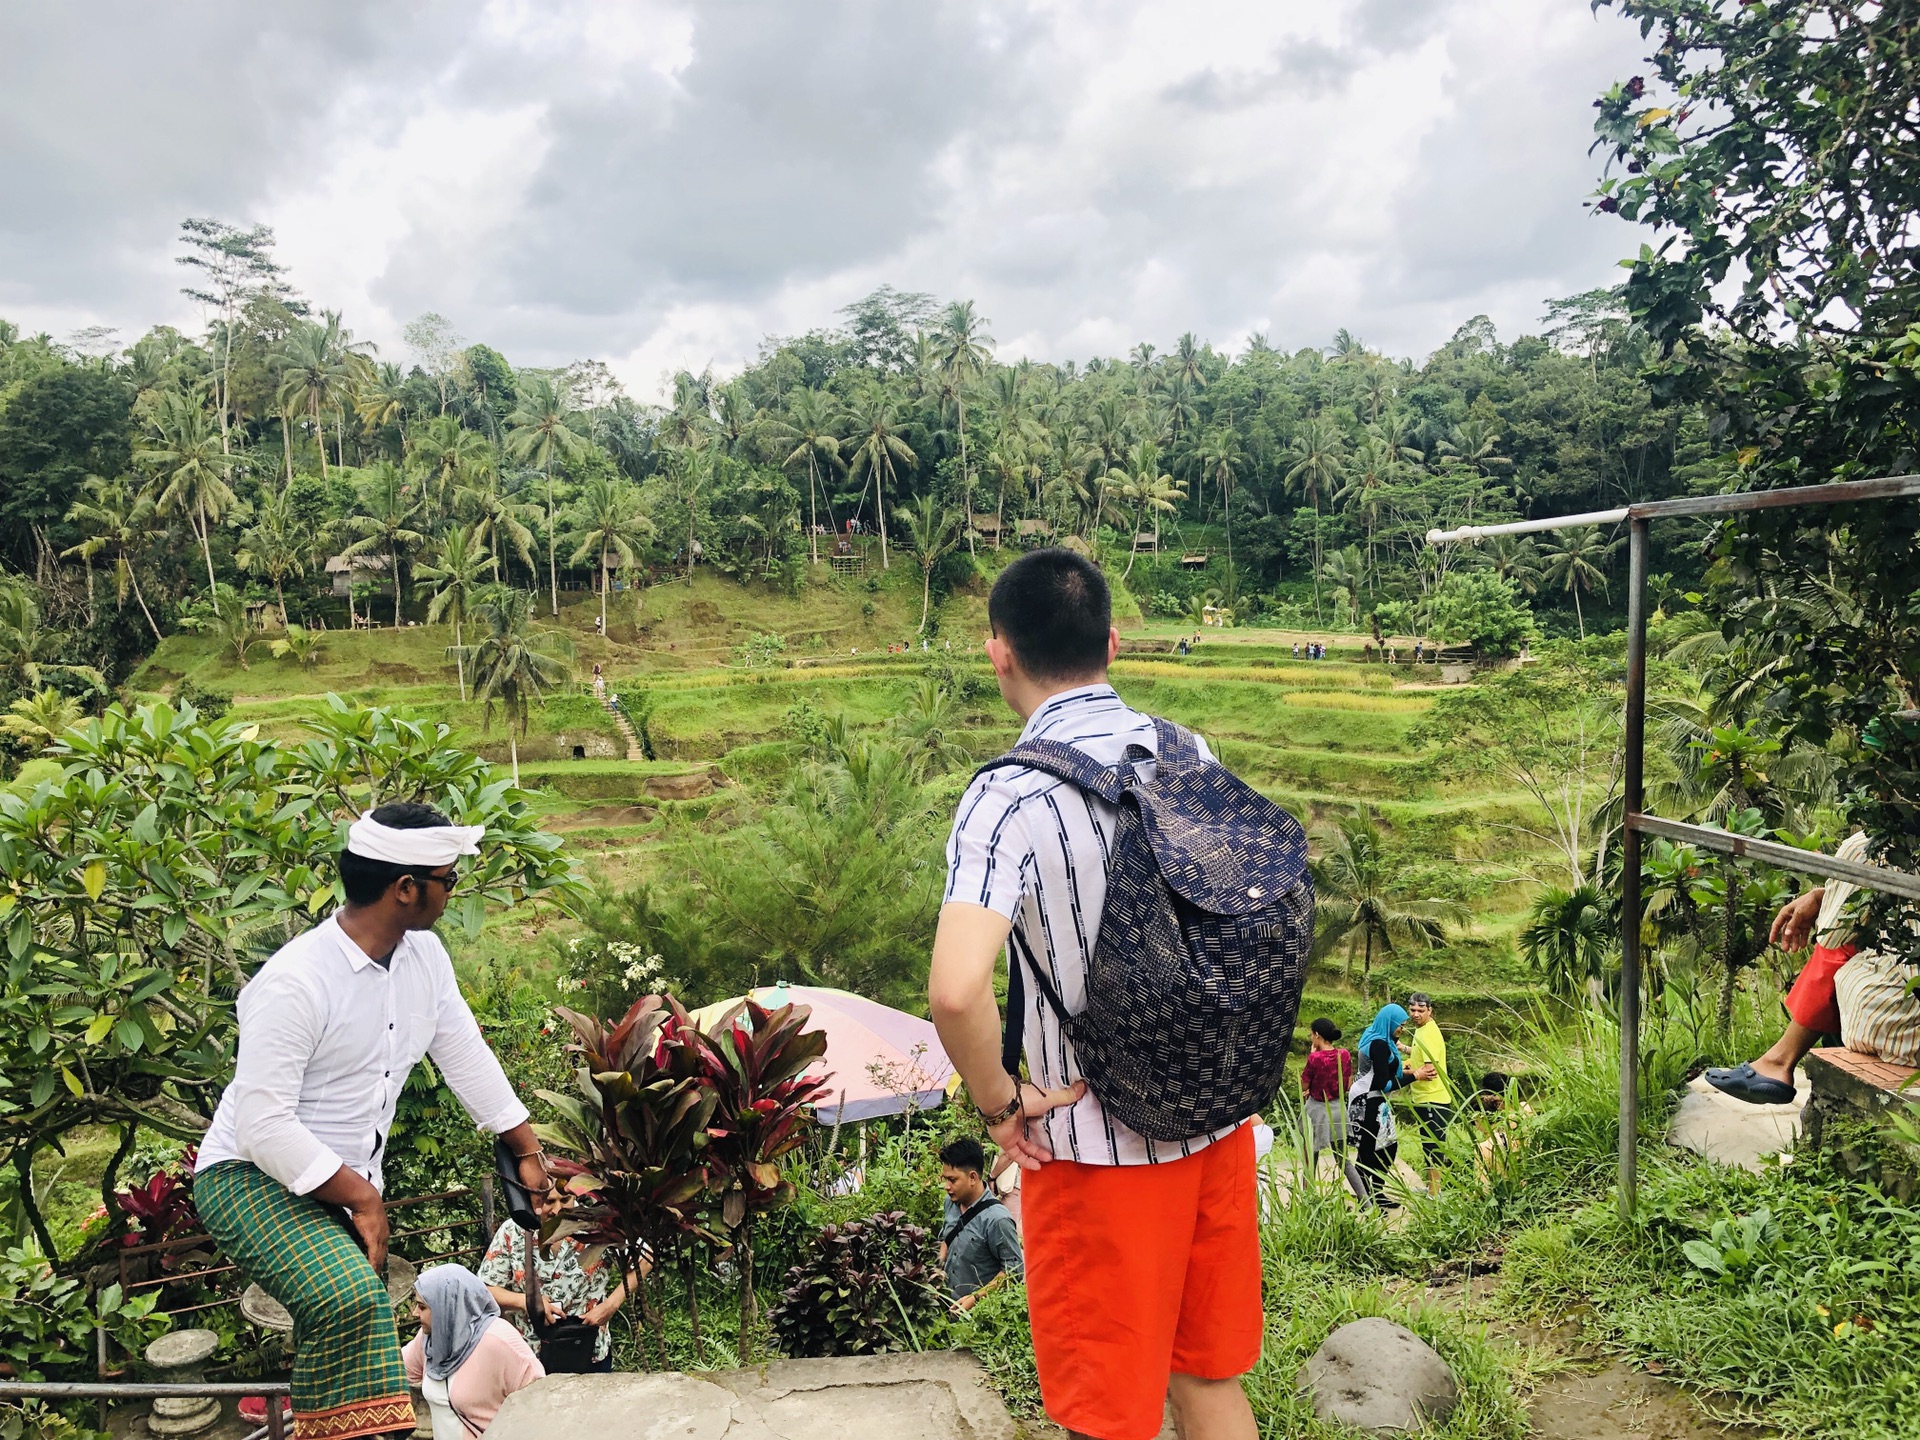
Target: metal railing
<point x="1637" y="822"/>
<point x="272" y="1391"/>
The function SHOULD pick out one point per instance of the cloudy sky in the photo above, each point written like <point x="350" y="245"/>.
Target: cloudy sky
<point x="660" y="184"/>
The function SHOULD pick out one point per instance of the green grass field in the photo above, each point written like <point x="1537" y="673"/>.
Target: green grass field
<point x="1319" y="737"/>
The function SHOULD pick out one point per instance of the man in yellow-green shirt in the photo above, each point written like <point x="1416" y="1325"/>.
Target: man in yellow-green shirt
<point x="1429" y="1096"/>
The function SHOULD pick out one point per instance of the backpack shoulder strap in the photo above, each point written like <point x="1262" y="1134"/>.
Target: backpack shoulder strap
<point x="972" y="1213"/>
<point x="1063" y="762"/>
<point x="1178" y="749"/>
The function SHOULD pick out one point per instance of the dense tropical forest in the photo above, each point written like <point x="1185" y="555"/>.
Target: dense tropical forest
<point x="164" y="484"/>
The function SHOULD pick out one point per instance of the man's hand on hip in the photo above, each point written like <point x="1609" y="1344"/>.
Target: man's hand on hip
<point x="1019" y="1143"/>
<point x="370" y="1224"/>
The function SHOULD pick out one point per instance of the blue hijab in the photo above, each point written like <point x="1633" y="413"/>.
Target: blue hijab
<point x="1381" y="1027"/>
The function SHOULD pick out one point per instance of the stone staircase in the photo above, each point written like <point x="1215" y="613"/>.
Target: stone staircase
<point x="625" y="726"/>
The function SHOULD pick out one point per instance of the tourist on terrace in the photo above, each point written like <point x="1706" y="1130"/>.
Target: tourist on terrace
<point x="1371" y="1132"/>
<point x="1142" y="1257"/>
<point x="978" y="1237"/>
<point x="1323" y="1086"/>
<point x="1429" y="1095"/>
<point x="573" y="1282"/>
<point x="466" y="1359"/>
<point x="289" y="1176"/>
<point x="1843" y="994"/>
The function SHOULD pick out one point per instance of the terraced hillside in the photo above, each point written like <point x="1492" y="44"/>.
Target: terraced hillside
<point x="1320" y="737"/>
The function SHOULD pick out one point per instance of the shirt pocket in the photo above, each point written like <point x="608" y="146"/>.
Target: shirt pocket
<point x="417" y="1029"/>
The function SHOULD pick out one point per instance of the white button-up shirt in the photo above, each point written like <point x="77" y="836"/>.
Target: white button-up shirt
<point x="327" y="1039"/>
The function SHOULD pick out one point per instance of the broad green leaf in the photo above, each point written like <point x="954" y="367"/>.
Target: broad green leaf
<point x="127" y="1031"/>
<point x="42" y="1090"/>
<point x="172" y="928"/>
<point x="73" y="1081"/>
<point x="94" y="878"/>
<point x="97" y="1031"/>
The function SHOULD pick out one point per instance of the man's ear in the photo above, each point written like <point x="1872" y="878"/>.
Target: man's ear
<point x="1113" y="642"/>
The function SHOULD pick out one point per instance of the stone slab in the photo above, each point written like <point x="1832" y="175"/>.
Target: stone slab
<point x="1379" y="1377"/>
<point x="1731" y="1131"/>
<point x="938" y="1396"/>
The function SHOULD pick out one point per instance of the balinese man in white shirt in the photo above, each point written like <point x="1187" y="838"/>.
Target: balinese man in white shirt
<point x="289" y="1176"/>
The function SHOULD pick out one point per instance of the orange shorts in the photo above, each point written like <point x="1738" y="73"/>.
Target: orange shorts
<point x="1137" y="1272"/>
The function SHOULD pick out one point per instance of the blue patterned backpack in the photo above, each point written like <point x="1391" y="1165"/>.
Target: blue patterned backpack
<point x="1194" y="981"/>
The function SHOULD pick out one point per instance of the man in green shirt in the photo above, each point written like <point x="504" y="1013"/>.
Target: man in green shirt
<point x="1429" y="1097"/>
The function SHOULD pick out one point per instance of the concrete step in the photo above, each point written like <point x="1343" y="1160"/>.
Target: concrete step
<point x="940" y="1395"/>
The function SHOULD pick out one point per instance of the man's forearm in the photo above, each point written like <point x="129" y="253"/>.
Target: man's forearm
<point x="348" y="1189"/>
<point x="960" y="999"/>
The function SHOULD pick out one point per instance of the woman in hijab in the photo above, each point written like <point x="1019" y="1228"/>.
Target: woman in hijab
<point x="466" y="1359"/>
<point x="1372" y="1138"/>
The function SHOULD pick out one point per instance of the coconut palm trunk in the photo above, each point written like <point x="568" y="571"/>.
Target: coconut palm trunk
<point x="553" y="564"/>
<point x="133" y="579"/>
<point x="206" y="546"/>
<point x="603" y="592"/>
<point x="395" y="562"/>
<point x="880" y="510"/>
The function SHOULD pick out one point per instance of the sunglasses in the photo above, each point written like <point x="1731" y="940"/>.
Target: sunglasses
<point x="450" y="879"/>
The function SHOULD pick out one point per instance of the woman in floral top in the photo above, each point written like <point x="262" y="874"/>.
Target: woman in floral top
<point x="571" y="1283"/>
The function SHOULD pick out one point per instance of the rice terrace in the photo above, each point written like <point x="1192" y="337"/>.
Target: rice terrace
<point x="519" y="911"/>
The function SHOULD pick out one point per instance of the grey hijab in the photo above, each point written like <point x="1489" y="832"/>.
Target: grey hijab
<point x="462" y="1310"/>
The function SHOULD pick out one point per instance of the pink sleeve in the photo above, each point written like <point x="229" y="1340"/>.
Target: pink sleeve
<point x="500" y="1364"/>
<point x="414" y="1357"/>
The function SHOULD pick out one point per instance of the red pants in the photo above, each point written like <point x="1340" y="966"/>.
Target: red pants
<point x="1136" y="1272"/>
<point x="1810" y="1002"/>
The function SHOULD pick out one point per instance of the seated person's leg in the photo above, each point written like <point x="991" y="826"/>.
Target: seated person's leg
<point x="1813" y="1013"/>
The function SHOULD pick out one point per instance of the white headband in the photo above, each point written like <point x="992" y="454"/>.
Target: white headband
<point x="433" y="845"/>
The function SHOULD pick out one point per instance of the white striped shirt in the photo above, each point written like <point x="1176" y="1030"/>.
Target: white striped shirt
<point x="1034" y="849"/>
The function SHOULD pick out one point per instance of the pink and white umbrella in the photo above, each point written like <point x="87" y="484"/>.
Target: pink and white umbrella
<point x="879" y="1061"/>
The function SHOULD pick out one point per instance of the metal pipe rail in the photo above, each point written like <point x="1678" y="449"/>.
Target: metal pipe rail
<point x="1638" y="518"/>
<point x="1892" y="487"/>
<point x="1784" y="857"/>
<point x="101" y="1391"/>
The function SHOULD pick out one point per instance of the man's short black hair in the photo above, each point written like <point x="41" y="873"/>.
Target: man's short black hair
<point x="1326" y="1030"/>
<point x="964" y="1154"/>
<point x="1420" y="997"/>
<point x="365" y="880"/>
<point x="1052" y="606"/>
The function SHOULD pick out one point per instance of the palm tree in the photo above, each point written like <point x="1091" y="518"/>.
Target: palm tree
<point x="120" y="515"/>
<point x="1315" y="465"/>
<point x="611" y="511"/>
<point x="34" y="722"/>
<point x="962" y="345"/>
<point x="877" y="445"/>
<point x="1220" y="458"/>
<point x="302" y="643"/>
<point x="933" y="530"/>
<point x="380" y="399"/>
<point x="389" y="509"/>
<point x="1149" y="490"/>
<point x="810" y="429"/>
<point x="542" y="429"/>
<point x="1374" y="466"/>
<point x="275" y="545"/>
<point x="317" y="372"/>
<point x="1353" y="887"/>
<point x="187" y="453"/>
<point x="1516" y="559"/>
<point x="927" y="727"/>
<point x="1346" y="571"/>
<point x="514" y="665"/>
<point x="453" y="579"/>
<point x="1568" y="937"/>
<point x="498" y="519"/>
<point x="449" y="453"/>
<point x="1575" y="561"/>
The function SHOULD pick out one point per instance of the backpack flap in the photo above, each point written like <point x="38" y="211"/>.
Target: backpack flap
<point x="1234" y="858"/>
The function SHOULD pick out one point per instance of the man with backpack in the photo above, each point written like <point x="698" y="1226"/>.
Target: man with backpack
<point x="1157" y="916"/>
<point x="978" y="1238"/>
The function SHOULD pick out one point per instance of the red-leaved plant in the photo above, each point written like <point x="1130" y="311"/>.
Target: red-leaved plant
<point x="755" y="1063"/>
<point x="678" y="1132"/>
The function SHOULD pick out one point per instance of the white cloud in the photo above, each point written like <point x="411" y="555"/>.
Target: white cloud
<point x="663" y="183"/>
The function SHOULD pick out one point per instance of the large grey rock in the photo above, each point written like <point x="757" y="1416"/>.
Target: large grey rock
<point x="938" y="1396"/>
<point x="1379" y="1376"/>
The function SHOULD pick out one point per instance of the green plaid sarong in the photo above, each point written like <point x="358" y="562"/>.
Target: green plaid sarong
<point x="348" y="1379"/>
